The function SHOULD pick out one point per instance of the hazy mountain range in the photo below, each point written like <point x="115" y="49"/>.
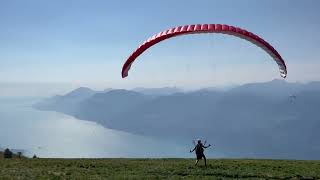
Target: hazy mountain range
<point x="274" y="119"/>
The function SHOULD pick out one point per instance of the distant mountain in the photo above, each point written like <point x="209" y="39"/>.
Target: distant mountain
<point x="107" y="90"/>
<point x="103" y="107"/>
<point x="82" y="92"/>
<point x="278" y="88"/>
<point x="252" y="120"/>
<point x="157" y="91"/>
<point x="66" y="103"/>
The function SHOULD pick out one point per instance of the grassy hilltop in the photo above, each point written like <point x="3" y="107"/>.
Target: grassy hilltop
<point x="157" y="169"/>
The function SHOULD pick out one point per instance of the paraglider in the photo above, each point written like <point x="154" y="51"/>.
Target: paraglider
<point x="292" y="98"/>
<point x="206" y="28"/>
<point x="199" y="149"/>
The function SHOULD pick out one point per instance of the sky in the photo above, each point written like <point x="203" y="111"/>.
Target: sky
<point x="86" y="42"/>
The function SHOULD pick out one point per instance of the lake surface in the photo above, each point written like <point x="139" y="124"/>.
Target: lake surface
<point x="52" y="134"/>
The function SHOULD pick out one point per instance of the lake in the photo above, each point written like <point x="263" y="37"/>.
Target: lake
<point x="56" y="135"/>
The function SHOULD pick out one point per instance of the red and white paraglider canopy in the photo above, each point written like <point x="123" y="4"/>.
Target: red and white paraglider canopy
<point x="206" y="28"/>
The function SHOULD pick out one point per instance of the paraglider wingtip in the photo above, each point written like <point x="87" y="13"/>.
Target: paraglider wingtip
<point x="124" y="76"/>
<point x="283" y="73"/>
<point x="283" y="76"/>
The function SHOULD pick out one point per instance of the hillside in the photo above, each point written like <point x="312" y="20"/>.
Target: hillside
<point x="157" y="169"/>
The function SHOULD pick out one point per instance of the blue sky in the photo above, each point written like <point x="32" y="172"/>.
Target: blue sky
<point x="86" y="42"/>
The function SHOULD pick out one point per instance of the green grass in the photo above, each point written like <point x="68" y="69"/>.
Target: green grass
<point x="157" y="169"/>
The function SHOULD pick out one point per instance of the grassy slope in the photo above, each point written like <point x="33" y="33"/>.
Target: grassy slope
<point x="156" y="168"/>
